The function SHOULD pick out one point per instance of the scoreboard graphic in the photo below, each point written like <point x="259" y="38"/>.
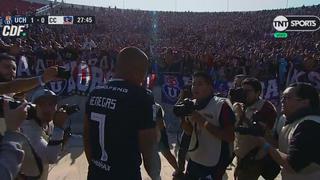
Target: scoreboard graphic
<point x="17" y="25"/>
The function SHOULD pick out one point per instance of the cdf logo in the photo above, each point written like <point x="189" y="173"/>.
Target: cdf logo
<point x="13" y="31"/>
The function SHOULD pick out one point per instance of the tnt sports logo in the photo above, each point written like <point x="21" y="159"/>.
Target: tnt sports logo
<point x="280" y="23"/>
<point x="296" y="23"/>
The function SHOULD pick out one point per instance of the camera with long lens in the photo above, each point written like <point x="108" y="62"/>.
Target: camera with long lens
<point x="253" y="128"/>
<point x="31" y="113"/>
<point x="238" y="95"/>
<point x="184" y="108"/>
<point x="70" y="109"/>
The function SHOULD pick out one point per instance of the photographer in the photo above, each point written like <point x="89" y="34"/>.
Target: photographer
<point x="236" y="93"/>
<point x="45" y="139"/>
<point x="185" y="136"/>
<point x="14" y="145"/>
<point x="11" y="153"/>
<point x="212" y="126"/>
<point x="299" y="149"/>
<point x="255" y="117"/>
<point x="8" y="83"/>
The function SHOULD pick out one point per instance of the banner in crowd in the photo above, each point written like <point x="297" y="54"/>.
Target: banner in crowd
<point x="312" y="77"/>
<point x="84" y="76"/>
<point x="170" y="88"/>
<point x="271" y="89"/>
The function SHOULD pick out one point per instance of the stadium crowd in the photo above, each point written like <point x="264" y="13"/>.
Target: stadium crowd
<point x="224" y="44"/>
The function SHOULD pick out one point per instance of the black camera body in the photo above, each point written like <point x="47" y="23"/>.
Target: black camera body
<point x="13" y="104"/>
<point x="253" y="128"/>
<point x="70" y="109"/>
<point x="63" y="73"/>
<point x="184" y="108"/>
<point x="238" y="95"/>
<point x="32" y="113"/>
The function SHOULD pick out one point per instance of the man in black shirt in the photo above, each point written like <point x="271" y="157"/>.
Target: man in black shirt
<point x="119" y="125"/>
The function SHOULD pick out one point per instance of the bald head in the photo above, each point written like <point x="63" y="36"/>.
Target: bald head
<point x="132" y="65"/>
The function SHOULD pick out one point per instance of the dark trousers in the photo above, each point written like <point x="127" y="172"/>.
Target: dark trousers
<point x="183" y="150"/>
<point x="250" y="169"/>
<point x="197" y="171"/>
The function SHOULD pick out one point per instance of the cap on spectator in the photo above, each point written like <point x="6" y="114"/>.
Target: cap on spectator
<point x="41" y="93"/>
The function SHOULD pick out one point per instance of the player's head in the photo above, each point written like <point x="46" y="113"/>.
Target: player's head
<point x="132" y="65"/>
<point x="7" y="67"/>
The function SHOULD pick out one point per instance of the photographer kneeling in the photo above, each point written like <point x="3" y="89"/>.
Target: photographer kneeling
<point x="46" y="141"/>
<point x="255" y="117"/>
<point x="212" y="130"/>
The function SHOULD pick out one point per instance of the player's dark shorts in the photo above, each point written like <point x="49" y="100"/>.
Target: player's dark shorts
<point x="96" y="173"/>
<point x="164" y="142"/>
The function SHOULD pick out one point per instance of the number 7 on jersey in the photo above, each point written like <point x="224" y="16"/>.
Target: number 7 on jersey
<point x="101" y="119"/>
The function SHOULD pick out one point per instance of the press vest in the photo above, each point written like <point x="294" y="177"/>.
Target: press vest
<point x="312" y="171"/>
<point x="209" y="149"/>
<point x="243" y="143"/>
